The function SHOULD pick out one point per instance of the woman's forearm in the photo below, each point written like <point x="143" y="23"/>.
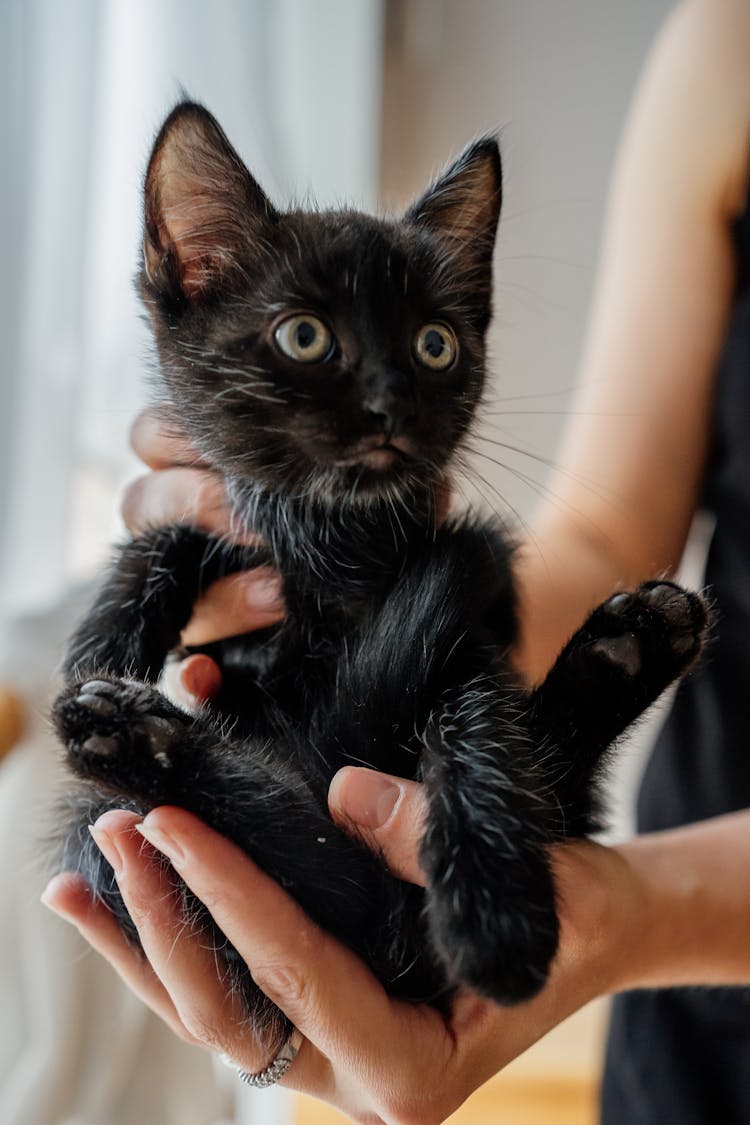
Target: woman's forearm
<point x="692" y="926"/>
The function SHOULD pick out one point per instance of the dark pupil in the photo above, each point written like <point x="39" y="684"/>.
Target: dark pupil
<point x="434" y="343"/>
<point x="306" y="334"/>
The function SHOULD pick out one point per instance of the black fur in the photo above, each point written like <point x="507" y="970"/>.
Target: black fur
<point x="394" y="651"/>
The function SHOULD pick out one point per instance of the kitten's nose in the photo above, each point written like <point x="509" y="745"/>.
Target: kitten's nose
<point x="391" y="403"/>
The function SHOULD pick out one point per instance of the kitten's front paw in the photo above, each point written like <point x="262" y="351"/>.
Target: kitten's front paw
<point x="117" y="729"/>
<point x="658" y="630"/>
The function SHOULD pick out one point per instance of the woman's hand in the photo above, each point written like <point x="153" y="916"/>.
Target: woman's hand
<point x="183" y="489"/>
<point x="376" y="1058"/>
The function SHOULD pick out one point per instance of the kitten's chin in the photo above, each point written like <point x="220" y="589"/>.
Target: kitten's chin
<point x="365" y="481"/>
<point x="405" y="485"/>
<point x="357" y="477"/>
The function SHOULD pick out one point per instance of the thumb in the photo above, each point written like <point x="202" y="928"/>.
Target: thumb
<point x="386" y="812"/>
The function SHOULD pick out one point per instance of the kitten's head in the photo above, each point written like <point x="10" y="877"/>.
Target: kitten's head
<point x="326" y="354"/>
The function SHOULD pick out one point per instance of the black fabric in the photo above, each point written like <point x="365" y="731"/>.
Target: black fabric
<point x="677" y="1058"/>
<point x="683" y="1056"/>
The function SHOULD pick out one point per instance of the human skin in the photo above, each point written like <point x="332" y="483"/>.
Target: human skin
<point x="666" y="909"/>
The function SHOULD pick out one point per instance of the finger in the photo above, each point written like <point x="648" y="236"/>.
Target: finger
<point x="240" y="603"/>
<point x="327" y="992"/>
<point x="159" y="442"/>
<point x="181" y="959"/>
<point x="200" y="677"/>
<point x="192" y="496"/>
<point x="190" y="682"/>
<point x="70" y="896"/>
<point x="387" y="812"/>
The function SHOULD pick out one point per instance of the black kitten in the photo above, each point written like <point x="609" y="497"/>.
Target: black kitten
<point x="329" y="364"/>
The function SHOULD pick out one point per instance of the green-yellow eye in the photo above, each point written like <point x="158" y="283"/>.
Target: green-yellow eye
<point x="304" y="338"/>
<point x="436" y="346"/>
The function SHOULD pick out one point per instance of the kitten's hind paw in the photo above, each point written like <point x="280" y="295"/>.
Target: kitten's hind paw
<point x="119" y="730"/>
<point x="657" y="631"/>
<point x="500" y="944"/>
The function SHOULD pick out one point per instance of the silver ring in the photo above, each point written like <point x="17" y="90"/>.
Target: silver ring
<point x="275" y="1070"/>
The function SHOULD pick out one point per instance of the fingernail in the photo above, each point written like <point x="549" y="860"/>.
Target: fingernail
<point x="365" y="796"/>
<point x="163" y="842"/>
<point x="108" y="848"/>
<point x="47" y="895"/>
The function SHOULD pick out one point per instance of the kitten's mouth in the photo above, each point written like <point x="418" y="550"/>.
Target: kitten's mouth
<point x="377" y="454"/>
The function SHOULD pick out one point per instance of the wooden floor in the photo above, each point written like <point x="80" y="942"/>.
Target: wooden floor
<point x="555" y="1083"/>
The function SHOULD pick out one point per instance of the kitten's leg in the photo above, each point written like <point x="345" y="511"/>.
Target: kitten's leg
<point x="490" y="903"/>
<point x="627" y="652"/>
<point x="147" y="599"/>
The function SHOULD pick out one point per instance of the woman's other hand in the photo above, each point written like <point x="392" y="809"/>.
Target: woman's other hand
<point x="376" y="1058"/>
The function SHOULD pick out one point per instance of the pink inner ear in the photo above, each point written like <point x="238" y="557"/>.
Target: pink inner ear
<point x="467" y="204"/>
<point x="196" y="227"/>
<point x="196" y="208"/>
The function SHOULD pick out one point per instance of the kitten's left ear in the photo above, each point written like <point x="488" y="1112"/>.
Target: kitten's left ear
<point x="462" y="208"/>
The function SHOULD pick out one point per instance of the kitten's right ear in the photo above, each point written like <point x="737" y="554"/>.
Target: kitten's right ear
<point x="203" y="209"/>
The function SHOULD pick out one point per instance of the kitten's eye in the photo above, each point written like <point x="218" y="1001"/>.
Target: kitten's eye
<point x="436" y="346"/>
<point x="304" y="338"/>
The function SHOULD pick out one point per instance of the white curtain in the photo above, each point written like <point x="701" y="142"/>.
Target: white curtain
<point x="84" y="85"/>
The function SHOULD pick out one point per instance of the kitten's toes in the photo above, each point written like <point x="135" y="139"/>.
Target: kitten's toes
<point x="104" y="722"/>
<point x="683" y="615"/>
<point x="658" y="629"/>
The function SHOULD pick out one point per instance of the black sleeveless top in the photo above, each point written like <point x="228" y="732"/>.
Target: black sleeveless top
<point x="701" y="763"/>
<point x="680" y="1055"/>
